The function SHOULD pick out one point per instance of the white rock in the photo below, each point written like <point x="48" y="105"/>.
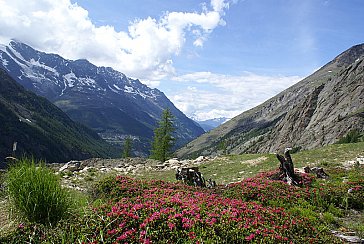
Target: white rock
<point x="119" y="169"/>
<point x="105" y="169"/>
<point x="199" y="159"/>
<point x="71" y="166"/>
<point x="172" y="161"/>
<point x="86" y="169"/>
<point x="348" y="237"/>
<point x="360" y="160"/>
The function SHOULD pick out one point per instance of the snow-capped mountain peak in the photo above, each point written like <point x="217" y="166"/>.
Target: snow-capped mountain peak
<point x="56" y="76"/>
<point x="100" y="97"/>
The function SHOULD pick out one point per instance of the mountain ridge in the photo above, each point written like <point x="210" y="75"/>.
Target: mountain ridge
<point x="293" y="117"/>
<point x="104" y="99"/>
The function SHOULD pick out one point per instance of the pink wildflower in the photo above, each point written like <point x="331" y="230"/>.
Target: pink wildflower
<point x="171" y="225"/>
<point x="250" y="237"/>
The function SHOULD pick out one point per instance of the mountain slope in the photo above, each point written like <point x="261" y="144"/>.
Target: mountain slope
<point x="104" y="99"/>
<point x="314" y="112"/>
<point x="41" y="129"/>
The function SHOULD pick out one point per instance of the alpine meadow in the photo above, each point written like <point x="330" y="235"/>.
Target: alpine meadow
<point x="196" y="121"/>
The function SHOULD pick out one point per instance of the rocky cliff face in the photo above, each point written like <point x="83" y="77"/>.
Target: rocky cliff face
<point x="314" y="112"/>
<point x="104" y="99"/>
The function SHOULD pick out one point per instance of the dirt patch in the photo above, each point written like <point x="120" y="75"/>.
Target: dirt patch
<point x="6" y="223"/>
<point x="255" y="161"/>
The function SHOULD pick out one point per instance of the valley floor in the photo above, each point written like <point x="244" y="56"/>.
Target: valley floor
<point x="328" y="204"/>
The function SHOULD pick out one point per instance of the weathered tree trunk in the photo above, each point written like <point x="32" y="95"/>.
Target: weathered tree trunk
<point x="287" y="169"/>
<point x="191" y="176"/>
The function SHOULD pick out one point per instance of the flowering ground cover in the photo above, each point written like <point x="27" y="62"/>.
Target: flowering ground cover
<point x="140" y="211"/>
<point x="253" y="210"/>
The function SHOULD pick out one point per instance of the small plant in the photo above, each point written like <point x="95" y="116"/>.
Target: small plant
<point x="88" y="178"/>
<point x="91" y="170"/>
<point x="36" y="192"/>
<point x="329" y="218"/>
<point x="296" y="149"/>
<point x="353" y="136"/>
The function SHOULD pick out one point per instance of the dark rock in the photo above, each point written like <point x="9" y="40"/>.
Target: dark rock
<point x="320" y="173"/>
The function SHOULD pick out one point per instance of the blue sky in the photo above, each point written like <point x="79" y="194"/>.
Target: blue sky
<point x="212" y="58"/>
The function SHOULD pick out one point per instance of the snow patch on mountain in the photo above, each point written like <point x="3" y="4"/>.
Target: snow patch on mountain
<point x="43" y="66"/>
<point x="70" y="78"/>
<point x="88" y="82"/>
<point x="116" y="91"/>
<point x="16" y="57"/>
<point x="117" y="87"/>
<point x="5" y="62"/>
<point x="128" y="89"/>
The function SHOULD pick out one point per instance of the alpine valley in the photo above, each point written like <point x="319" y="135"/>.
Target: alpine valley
<point x="102" y="98"/>
<point x="317" y="111"/>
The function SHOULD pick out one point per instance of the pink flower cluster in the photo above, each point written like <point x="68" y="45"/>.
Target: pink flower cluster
<point x="145" y="212"/>
<point x="269" y="192"/>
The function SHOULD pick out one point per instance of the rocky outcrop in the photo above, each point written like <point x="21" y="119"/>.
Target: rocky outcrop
<point x="314" y="112"/>
<point x="77" y="174"/>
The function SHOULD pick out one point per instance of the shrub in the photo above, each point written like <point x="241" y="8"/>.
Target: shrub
<point x="353" y="136"/>
<point x="36" y="193"/>
<point x="329" y="218"/>
<point x="137" y="211"/>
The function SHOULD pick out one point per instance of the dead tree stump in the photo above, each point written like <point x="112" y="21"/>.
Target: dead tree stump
<point x="191" y="176"/>
<point x="286" y="169"/>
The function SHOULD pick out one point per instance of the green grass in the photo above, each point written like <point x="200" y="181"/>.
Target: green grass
<point x="356" y="223"/>
<point x="232" y="168"/>
<point x="2" y="186"/>
<point x="35" y="192"/>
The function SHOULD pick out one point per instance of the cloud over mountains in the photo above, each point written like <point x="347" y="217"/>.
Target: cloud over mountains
<point x="145" y="50"/>
<point x="218" y="95"/>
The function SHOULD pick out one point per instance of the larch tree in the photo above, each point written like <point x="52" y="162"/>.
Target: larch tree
<point x="127" y="148"/>
<point x="163" y="139"/>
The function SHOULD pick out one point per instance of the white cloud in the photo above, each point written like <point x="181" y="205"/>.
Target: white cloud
<point x="217" y="95"/>
<point x="219" y="5"/>
<point x="144" y="51"/>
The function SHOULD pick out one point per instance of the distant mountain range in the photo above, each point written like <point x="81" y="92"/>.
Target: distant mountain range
<point x="102" y="98"/>
<point x="210" y="124"/>
<point x="316" y="111"/>
<point x="41" y="129"/>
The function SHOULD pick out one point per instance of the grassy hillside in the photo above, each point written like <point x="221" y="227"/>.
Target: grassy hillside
<point x="232" y="168"/>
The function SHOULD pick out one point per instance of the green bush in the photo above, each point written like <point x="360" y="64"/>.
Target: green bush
<point x="36" y="192"/>
<point x="353" y="136"/>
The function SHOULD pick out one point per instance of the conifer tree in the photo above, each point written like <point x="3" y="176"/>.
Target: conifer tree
<point x="127" y="148"/>
<point x="163" y="139"/>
